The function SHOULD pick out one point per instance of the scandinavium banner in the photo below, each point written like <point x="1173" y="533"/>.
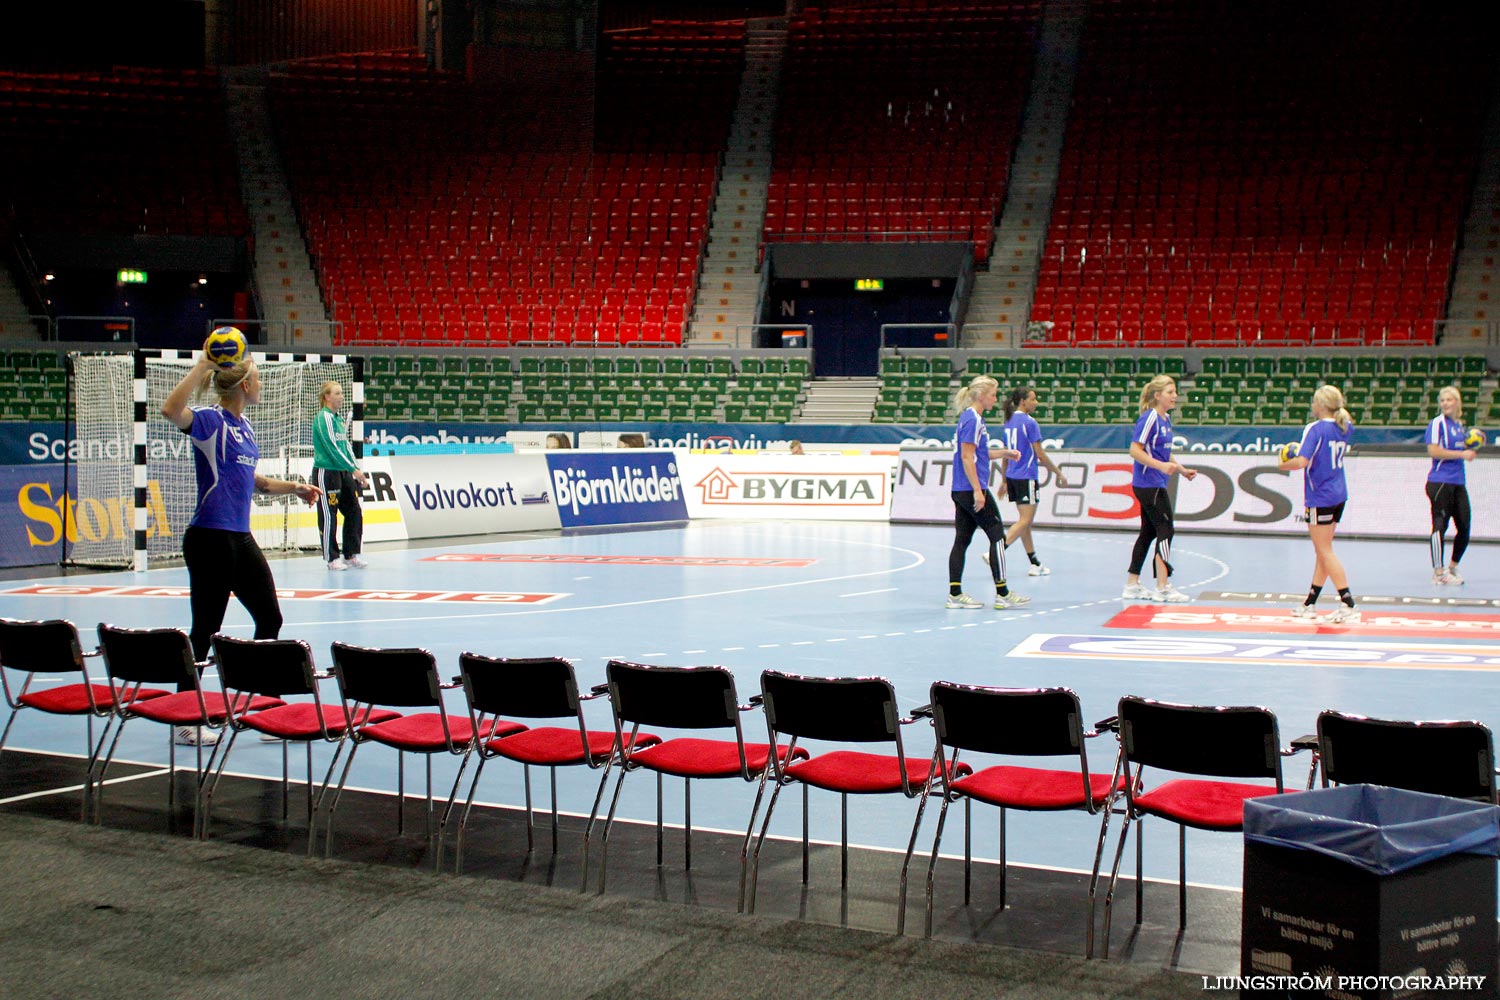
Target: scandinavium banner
<point x="805" y="487"/>
<point x="1232" y="492"/>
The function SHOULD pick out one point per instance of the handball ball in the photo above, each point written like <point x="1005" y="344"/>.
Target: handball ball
<point x="1288" y="451"/>
<point x="226" y="346"/>
<point x="1475" y="438"/>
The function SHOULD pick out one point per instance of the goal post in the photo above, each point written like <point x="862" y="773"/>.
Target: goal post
<point x="132" y="469"/>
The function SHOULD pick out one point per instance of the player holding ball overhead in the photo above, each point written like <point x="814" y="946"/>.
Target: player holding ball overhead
<point x="221" y="554"/>
<point x="1450" y="446"/>
<point x="1320" y="454"/>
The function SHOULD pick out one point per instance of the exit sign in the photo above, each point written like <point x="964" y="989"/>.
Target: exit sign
<point x="869" y="284"/>
<point x="130" y="276"/>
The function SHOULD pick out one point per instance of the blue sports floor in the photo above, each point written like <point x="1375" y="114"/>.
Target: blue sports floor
<point x="861" y="599"/>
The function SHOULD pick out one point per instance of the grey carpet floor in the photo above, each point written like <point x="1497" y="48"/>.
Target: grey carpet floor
<point x="100" y="913"/>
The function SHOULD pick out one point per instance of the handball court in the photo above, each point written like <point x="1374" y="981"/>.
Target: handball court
<point x="820" y="599"/>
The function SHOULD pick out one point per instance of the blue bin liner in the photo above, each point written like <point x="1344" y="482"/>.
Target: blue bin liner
<point x="1382" y="830"/>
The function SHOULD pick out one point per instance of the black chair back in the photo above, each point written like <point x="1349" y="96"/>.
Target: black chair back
<point x="1237" y="742"/>
<point x="276" y="667"/>
<point x="1035" y="722"/>
<point x="1456" y="759"/>
<point x="148" y="655"/>
<point x="837" y="709"/>
<point x="50" y="646"/>
<point x="673" y="697"/>
<point x="396" y="677"/>
<point x="543" y="687"/>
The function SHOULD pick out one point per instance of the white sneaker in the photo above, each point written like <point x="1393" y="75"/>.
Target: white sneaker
<point x="1170" y="595"/>
<point x="338" y="565"/>
<point x="1037" y="569"/>
<point x="195" y="736"/>
<point x="1451" y="577"/>
<point x="963" y="602"/>
<point x="1304" y="611"/>
<point x="1342" y="615"/>
<point x="1136" y="592"/>
<point x="1011" y="600"/>
<point x="356" y="562"/>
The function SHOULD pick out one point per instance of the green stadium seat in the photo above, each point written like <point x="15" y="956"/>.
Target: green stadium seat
<point x="1242" y="413"/>
<point x="1237" y="365"/>
<point x="1213" y="364"/>
<point x="1050" y="367"/>
<point x="798" y="367"/>
<point x="977" y="366"/>
<point x="429" y="365"/>
<point x="721" y="366"/>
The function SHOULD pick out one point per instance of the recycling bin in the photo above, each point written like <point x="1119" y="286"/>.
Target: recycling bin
<point x="1369" y="892"/>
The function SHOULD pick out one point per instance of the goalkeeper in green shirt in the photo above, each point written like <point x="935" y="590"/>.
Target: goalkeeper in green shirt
<point x="335" y="473"/>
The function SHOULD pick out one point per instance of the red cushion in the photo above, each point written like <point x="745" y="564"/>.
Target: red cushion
<point x="73" y="699"/>
<point x="299" y="720"/>
<point x="558" y="746"/>
<point x="181" y="709"/>
<point x="1034" y="788"/>
<point x="858" y="773"/>
<point x="690" y="757"/>
<point x="424" y="733"/>
<point x="1207" y="805"/>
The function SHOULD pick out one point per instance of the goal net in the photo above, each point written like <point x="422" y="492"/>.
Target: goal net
<point x="133" y="469"/>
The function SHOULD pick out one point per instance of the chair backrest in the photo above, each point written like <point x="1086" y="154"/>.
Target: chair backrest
<point x="265" y="666"/>
<point x="1442" y="758"/>
<point x="1035" y="722"/>
<point x="673" y="697"/>
<point x="406" y="677"/>
<point x="838" y="709"/>
<point x="529" y="688"/>
<point x="148" y="655"/>
<point x="1225" y="742"/>
<point x="50" y="646"/>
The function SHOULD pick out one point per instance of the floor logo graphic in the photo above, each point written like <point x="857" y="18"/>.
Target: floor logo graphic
<point x="299" y="594"/>
<point x="1372" y="622"/>
<point x="1314" y="652"/>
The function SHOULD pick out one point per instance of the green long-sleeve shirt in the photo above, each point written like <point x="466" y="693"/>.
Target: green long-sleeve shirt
<point x="331" y="442"/>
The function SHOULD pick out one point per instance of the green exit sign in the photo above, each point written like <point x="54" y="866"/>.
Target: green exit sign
<point x="130" y="276"/>
<point x="869" y="284"/>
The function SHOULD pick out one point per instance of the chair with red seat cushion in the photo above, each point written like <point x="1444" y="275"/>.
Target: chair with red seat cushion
<point x="53" y="647"/>
<point x="534" y="688"/>
<point x="137" y="656"/>
<point x="400" y="679"/>
<point x="1011" y="722"/>
<point x="1213" y="742"/>
<point x="840" y="710"/>
<point x="279" y="668"/>
<point x="690" y="698"/>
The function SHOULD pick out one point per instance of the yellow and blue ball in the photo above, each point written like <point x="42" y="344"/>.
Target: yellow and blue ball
<point x="1288" y="451"/>
<point x="225" y="346"/>
<point x="1475" y="438"/>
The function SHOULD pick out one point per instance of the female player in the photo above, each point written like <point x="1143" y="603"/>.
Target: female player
<point x="337" y="475"/>
<point x="1446" y="492"/>
<point x="1023" y="434"/>
<point x="1325" y="443"/>
<point x="1151" y="448"/>
<point x="220" y="552"/>
<point x="973" y="505"/>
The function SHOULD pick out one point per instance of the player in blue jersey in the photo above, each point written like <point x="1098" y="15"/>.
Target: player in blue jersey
<point x="221" y="554"/>
<point x="1151" y="449"/>
<point x="1023" y="434"/>
<point x="973" y="505"/>
<point x="1446" y="489"/>
<point x="1321" y="454"/>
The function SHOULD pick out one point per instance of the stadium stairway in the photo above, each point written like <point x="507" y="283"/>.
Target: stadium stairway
<point x="290" y="303"/>
<point x="838" y="401"/>
<point x="729" y="280"/>
<point x="1474" y="305"/>
<point x="1001" y="302"/>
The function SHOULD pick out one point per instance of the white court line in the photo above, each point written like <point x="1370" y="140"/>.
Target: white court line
<point x="69" y="789"/>
<point x="866" y="593"/>
<point x="917" y="558"/>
